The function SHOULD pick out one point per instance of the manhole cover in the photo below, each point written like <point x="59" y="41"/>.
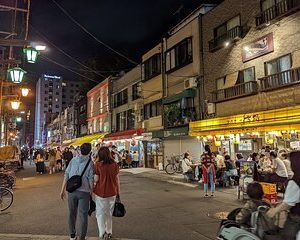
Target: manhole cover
<point x="218" y="215"/>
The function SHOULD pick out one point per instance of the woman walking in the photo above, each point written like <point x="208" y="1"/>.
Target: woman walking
<point x="107" y="187"/>
<point x="208" y="171"/>
<point x="52" y="161"/>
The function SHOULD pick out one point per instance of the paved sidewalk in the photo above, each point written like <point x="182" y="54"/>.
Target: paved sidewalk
<point x="42" y="237"/>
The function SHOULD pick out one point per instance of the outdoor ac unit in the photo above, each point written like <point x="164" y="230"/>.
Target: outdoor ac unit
<point x="211" y="108"/>
<point x="190" y="83"/>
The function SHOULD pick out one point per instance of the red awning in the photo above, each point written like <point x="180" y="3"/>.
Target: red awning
<point x="123" y="135"/>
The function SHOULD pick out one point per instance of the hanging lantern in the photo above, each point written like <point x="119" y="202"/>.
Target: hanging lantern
<point x="25" y="92"/>
<point x="31" y="54"/>
<point x="16" y="74"/>
<point x="15" y="104"/>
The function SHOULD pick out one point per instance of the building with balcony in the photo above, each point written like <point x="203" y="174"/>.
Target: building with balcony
<point x="81" y="114"/>
<point x="183" y="71"/>
<point x="152" y="93"/>
<point x="251" y="78"/>
<point x="126" y="110"/>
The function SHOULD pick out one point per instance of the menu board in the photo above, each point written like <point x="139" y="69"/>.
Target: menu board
<point x="245" y="145"/>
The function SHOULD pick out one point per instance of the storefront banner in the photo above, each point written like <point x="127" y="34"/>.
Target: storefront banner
<point x="176" y="132"/>
<point x="259" y="121"/>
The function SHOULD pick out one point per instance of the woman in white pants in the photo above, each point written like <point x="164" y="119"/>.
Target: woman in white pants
<point x="107" y="187"/>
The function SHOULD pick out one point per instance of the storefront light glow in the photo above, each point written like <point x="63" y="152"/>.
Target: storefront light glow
<point x="16" y="74"/>
<point x="18" y="119"/>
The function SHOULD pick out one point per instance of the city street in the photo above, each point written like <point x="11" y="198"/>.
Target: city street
<point x="155" y="209"/>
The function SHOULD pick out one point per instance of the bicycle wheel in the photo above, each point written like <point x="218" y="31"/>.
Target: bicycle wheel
<point x="6" y="198"/>
<point x="170" y="168"/>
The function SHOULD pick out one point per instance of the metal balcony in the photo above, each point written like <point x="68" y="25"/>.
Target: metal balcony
<point x="280" y="80"/>
<point x="232" y="35"/>
<point x="237" y="91"/>
<point x="179" y="117"/>
<point x="280" y="9"/>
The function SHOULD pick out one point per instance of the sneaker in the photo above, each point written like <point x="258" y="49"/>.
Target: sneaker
<point x="206" y="195"/>
<point x="212" y="195"/>
<point x="109" y="236"/>
<point x="73" y="238"/>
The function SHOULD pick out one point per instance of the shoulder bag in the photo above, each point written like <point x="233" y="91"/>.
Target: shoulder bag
<point x="75" y="181"/>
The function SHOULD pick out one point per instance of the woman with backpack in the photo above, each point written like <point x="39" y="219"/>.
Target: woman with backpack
<point x="106" y="190"/>
<point x="208" y="171"/>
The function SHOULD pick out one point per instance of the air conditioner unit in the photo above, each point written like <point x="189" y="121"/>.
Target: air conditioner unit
<point x="211" y="108"/>
<point x="190" y="83"/>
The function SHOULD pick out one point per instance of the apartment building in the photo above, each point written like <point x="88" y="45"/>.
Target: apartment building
<point x="152" y="92"/>
<point x="183" y="66"/>
<point x="251" y="75"/>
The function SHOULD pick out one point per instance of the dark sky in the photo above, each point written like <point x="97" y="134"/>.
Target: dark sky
<point x="131" y="27"/>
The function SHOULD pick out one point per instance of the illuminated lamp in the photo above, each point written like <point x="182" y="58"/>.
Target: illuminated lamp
<point x="15" y="104"/>
<point x="31" y="54"/>
<point x="25" y="92"/>
<point x="16" y="74"/>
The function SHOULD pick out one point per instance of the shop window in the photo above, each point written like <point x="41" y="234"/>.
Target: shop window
<point x="278" y="65"/>
<point x="180" y="55"/>
<point x="246" y="75"/>
<point x="151" y="67"/>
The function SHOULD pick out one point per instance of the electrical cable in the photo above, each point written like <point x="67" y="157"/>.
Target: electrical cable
<point x="61" y="65"/>
<point x="91" y="35"/>
<point x="62" y="51"/>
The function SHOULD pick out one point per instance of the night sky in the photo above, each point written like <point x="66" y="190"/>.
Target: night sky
<point x="131" y="27"/>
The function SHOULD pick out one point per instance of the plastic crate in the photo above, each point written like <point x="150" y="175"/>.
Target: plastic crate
<point x="269" y="188"/>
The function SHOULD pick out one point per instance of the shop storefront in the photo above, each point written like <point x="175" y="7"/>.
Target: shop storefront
<point x="127" y="140"/>
<point x="177" y="141"/>
<point x="153" y="149"/>
<point x="247" y="133"/>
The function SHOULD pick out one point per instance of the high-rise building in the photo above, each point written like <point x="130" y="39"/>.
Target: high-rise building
<point x="53" y="94"/>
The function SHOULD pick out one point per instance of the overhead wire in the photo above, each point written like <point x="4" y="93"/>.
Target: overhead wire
<point x="63" y="66"/>
<point x="92" y="35"/>
<point x="65" y="53"/>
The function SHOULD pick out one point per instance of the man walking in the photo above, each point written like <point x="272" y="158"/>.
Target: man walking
<point x="78" y="200"/>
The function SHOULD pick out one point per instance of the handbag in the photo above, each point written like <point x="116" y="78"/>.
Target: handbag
<point x="75" y="181"/>
<point x="119" y="209"/>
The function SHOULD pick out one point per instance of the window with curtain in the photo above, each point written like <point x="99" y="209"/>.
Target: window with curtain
<point x="220" y="83"/>
<point x="179" y="55"/>
<point x="223" y="29"/>
<point x="279" y="65"/>
<point x="246" y="75"/>
<point x="151" y="67"/>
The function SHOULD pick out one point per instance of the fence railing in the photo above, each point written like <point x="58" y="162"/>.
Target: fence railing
<point x="281" y="8"/>
<point x="236" y="91"/>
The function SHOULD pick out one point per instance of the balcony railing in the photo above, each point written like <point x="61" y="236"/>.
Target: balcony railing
<point x="281" y="79"/>
<point x="280" y="9"/>
<point x="240" y="90"/>
<point x="220" y="41"/>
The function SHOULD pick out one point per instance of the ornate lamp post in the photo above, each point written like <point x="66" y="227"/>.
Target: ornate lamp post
<point x="25" y="91"/>
<point x="31" y="54"/>
<point x="16" y="74"/>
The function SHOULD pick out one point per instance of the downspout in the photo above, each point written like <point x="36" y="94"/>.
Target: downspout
<point x="201" y="68"/>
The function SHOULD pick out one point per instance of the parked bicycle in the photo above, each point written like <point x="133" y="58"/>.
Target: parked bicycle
<point x="6" y="198"/>
<point x="174" y="165"/>
<point x="7" y="177"/>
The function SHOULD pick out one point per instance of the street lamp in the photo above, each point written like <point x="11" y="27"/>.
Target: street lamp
<point x="31" y="54"/>
<point x="25" y="91"/>
<point x="15" y="104"/>
<point x="16" y="74"/>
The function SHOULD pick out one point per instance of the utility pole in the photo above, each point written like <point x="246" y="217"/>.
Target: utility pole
<point x="13" y="35"/>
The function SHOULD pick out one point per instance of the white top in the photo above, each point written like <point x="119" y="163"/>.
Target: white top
<point x="292" y="194"/>
<point x="186" y="165"/>
<point x="287" y="164"/>
<point x="220" y="161"/>
<point x="280" y="168"/>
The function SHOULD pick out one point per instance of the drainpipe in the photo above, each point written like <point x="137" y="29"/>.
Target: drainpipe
<point x="201" y="68"/>
<point x="164" y="75"/>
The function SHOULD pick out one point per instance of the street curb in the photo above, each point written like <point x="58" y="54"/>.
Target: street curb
<point x="44" y="237"/>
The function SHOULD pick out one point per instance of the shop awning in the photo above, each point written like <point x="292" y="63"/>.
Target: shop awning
<point x="271" y="120"/>
<point x="188" y="93"/>
<point x="68" y="142"/>
<point x="123" y="135"/>
<point x="88" y="139"/>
